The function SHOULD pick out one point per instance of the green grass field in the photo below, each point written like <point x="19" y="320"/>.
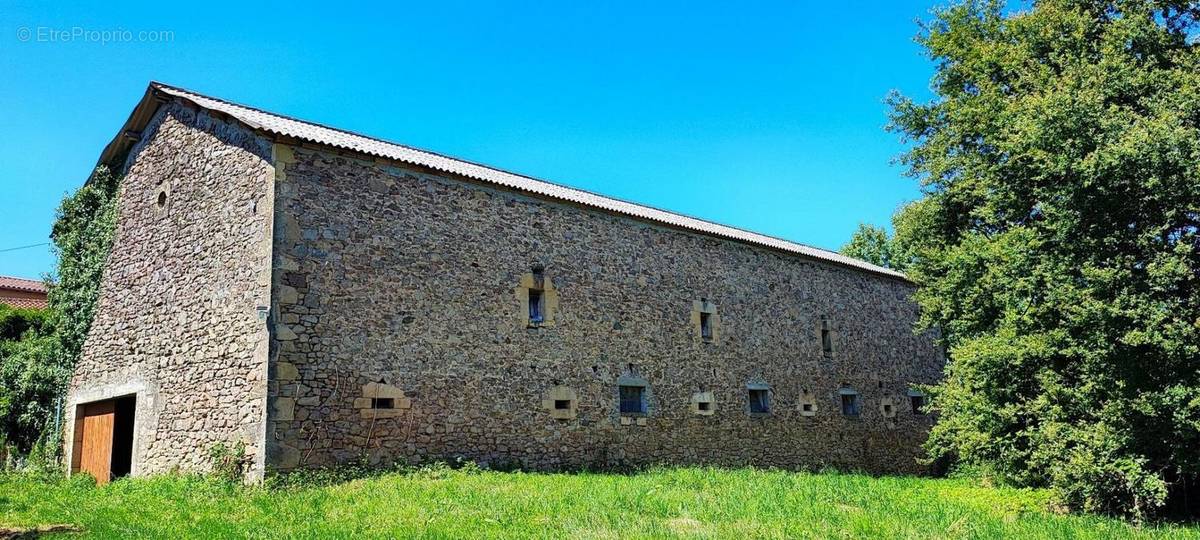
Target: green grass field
<point x="443" y="503"/>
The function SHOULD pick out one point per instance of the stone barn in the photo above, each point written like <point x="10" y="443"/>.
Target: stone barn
<point x="322" y="296"/>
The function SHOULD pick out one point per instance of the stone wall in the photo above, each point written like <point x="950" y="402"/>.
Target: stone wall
<point x="176" y="322"/>
<point x="405" y="282"/>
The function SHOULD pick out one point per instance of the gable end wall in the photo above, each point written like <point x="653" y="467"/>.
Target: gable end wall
<point x="176" y="320"/>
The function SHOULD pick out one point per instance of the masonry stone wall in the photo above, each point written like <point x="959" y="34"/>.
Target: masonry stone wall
<point x="176" y="322"/>
<point x="395" y="281"/>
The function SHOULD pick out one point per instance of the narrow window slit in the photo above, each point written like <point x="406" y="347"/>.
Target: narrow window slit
<point x="536" y="306"/>
<point x="826" y="338"/>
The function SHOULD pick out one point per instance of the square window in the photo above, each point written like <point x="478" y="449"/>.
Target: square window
<point x="760" y="401"/>
<point x="807" y="407"/>
<point x="562" y="404"/>
<point x="887" y="408"/>
<point x="383" y="403"/>
<point x="850" y="404"/>
<point x="536" y="305"/>
<point x="633" y="399"/>
<point x="706" y="326"/>
<point x="918" y="404"/>
<point x="704" y="405"/>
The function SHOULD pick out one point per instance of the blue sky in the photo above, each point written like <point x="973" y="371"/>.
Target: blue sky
<point x="767" y="116"/>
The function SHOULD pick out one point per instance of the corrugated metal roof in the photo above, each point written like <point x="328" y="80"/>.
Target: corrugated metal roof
<point x="316" y="133"/>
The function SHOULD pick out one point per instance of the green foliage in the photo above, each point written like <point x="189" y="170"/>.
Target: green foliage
<point x="361" y="469"/>
<point x="82" y="235"/>
<point x="870" y="243"/>
<point x="1057" y="245"/>
<point x="16" y="322"/>
<point x="39" y="348"/>
<point x="229" y="463"/>
<point x="438" y="501"/>
<point x="874" y="245"/>
<point x="29" y="376"/>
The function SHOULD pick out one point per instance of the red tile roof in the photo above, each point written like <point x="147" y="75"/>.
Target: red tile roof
<point x="21" y="284"/>
<point x="22" y="293"/>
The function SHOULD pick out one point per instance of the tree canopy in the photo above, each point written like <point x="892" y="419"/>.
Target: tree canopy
<point x="870" y="243"/>
<point x="1056" y="244"/>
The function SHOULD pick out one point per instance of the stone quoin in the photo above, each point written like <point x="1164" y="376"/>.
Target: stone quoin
<point x="321" y="297"/>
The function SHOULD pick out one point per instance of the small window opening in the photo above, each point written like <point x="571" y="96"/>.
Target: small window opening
<point x="383" y="403"/>
<point x="162" y="199"/>
<point x="807" y="407"/>
<point x="826" y="338"/>
<point x="562" y="404"/>
<point x="850" y="404"/>
<point x="536" y="306"/>
<point x="633" y="399"/>
<point x="704" y="405"/>
<point x="706" y="326"/>
<point x="760" y="402"/>
<point x="887" y="408"/>
<point x="918" y="404"/>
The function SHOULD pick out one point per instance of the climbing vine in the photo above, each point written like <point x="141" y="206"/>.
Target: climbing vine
<point x="39" y="349"/>
<point x="82" y="236"/>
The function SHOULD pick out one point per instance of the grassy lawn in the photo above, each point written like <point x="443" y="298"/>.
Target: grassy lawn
<point x="441" y="503"/>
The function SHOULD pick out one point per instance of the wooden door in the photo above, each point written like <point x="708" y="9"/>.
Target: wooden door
<point x="98" y="421"/>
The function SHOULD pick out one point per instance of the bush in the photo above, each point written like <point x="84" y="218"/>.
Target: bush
<point x="229" y="463"/>
<point x="31" y="375"/>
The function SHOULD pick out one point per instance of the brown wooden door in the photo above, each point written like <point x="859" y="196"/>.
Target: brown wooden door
<point x="98" y="421"/>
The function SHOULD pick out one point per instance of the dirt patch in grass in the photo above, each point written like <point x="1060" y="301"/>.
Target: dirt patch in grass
<point x="27" y="533"/>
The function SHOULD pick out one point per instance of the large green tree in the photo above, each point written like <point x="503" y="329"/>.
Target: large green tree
<point x="874" y="245"/>
<point x="1056" y="244"/>
<point x="870" y="243"/>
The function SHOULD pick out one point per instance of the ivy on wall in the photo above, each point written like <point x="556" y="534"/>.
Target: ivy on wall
<point x="82" y="236"/>
<point x="38" y="349"/>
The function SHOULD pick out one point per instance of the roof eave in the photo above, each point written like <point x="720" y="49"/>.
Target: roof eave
<point x="114" y="153"/>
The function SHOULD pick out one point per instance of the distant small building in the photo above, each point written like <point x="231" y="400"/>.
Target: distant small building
<point x="22" y="293"/>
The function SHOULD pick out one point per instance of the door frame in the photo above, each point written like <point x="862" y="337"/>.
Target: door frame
<point x="122" y="434"/>
<point x="142" y="418"/>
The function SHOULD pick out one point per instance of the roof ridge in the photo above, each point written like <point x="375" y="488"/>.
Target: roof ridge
<point x="454" y="165"/>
